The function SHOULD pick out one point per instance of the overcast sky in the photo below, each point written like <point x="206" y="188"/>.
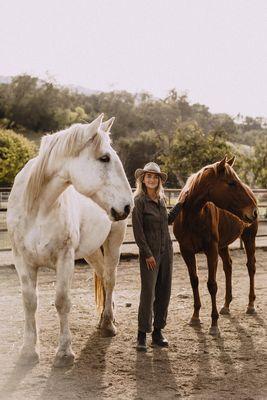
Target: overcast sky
<point x="215" y="50"/>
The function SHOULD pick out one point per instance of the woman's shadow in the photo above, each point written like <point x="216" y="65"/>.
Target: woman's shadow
<point x="154" y="376"/>
<point x="85" y="379"/>
<point x="17" y="375"/>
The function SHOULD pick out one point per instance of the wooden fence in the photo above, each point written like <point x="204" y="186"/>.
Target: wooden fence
<point x="171" y="196"/>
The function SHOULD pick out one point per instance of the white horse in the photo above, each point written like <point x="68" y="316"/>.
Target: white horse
<point x="65" y="203"/>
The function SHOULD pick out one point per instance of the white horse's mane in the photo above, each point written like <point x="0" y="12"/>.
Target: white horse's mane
<point x="65" y="143"/>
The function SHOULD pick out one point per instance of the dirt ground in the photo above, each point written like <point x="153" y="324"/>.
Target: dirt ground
<point x="196" y="365"/>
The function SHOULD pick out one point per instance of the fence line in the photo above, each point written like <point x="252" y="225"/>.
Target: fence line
<point x="171" y="197"/>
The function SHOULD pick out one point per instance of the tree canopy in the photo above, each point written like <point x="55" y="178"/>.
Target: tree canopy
<point x="181" y="136"/>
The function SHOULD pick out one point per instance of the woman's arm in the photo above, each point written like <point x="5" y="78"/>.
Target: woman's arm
<point x="137" y="220"/>
<point x="174" y="212"/>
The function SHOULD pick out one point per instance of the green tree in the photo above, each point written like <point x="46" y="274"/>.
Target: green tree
<point x="15" y="151"/>
<point x="190" y="150"/>
<point x="136" y="152"/>
<point x="259" y="163"/>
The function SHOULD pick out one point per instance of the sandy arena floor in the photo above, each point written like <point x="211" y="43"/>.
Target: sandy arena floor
<point x="196" y="365"/>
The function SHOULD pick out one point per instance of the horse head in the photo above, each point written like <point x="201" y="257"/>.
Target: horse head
<point x="97" y="171"/>
<point x="81" y="156"/>
<point x="227" y="191"/>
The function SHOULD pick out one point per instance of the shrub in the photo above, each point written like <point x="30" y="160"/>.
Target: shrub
<point x="15" y="151"/>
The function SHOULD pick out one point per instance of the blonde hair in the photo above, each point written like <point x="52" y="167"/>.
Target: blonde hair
<point x="141" y="187"/>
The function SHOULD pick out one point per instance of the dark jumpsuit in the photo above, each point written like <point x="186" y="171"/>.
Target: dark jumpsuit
<point x="150" y="227"/>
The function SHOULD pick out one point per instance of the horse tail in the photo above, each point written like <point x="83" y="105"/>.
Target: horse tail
<point x="100" y="295"/>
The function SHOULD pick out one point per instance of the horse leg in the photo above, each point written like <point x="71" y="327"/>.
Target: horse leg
<point x="96" y="260"/>
<point x="112" y="247"/>
<point x="227" y="267"/>
<point x="212" y="257"/>
<point x="249" y="243"/>
<point x="65" y="266"/>
<point x="28" y="279"/>
<point x="190" y="261"/>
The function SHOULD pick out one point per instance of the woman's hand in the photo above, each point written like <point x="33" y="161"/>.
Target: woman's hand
<point x="151" y="263"/>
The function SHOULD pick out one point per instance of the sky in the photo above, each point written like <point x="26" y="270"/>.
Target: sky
<point x="213" y="50"/>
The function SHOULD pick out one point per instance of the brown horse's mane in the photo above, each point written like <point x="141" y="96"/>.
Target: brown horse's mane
<point x="192" y="189"/>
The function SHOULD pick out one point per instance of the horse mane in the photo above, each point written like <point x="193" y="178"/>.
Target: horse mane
<point x="66" y="143"/>
<point x="190" y="191"/>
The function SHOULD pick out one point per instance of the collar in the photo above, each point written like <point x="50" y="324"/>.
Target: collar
<point x="148" y="199"/>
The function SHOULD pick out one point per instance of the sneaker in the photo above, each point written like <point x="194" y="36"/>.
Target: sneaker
<point x="158" y="339"/>
<point x="141" y="341"/>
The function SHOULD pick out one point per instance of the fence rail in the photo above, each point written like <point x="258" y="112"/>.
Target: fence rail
<point x="171" y="197"/>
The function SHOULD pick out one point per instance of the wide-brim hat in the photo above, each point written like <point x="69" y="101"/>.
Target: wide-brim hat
<point x="150" y="167"/>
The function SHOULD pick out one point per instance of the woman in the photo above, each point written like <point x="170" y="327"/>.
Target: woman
<point x="150" y="227"/>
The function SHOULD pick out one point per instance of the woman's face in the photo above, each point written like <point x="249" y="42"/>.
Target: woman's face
<point x="151" y="180"/>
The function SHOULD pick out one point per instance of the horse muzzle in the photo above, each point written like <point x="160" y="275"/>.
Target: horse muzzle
<point x="117" y="216"/>
<point x="250" y="216"/>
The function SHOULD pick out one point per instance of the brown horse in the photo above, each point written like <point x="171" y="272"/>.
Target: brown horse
<point x="217" y="209"/>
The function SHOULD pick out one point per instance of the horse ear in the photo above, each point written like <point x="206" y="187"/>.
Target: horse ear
<point x="106" y="126"/>
<point x="231" y="161"/>
<point x="221" y="165"/>
<point x="95" y="124"/>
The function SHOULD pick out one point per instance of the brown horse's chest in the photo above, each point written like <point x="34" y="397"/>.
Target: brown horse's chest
<point x="194" y="233"/>
<point x="230" y="228"/>
<point x="212" y="224"/>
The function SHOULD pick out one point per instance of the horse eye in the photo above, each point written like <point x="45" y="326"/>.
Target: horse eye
<point x="105" y="158"/>
<point x="232" y="183"/>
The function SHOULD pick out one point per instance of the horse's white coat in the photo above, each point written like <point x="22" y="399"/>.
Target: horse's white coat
<point x="52" y="220"/>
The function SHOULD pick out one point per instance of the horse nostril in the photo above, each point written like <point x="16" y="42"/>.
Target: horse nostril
<point x="127" y="209"/>
<point x="114" y="213"/>
<point x="255" y="213"/>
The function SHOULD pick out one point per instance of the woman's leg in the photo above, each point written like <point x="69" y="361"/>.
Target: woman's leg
<point x="163" y="289"/>
<point x="147" y="296"/>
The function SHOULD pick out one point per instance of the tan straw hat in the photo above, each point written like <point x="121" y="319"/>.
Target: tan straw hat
<point x="150" y="167"/>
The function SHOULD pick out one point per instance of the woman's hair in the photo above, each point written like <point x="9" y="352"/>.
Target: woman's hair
<point x="141" y="187"/>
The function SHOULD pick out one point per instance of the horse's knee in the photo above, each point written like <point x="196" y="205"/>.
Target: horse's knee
<point x="212" y="287"/>
<point x="251" y="268"/>
<point x="227" y="268"/>
<point x="194" y="282"/>
<point x="62" y="303"/>
<point x="29" y="295"/>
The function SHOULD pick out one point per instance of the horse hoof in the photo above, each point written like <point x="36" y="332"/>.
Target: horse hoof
<point x="214" y="331"/>
<point x="108" y="332"/>
<point x="195" y="322"/>
<point x="64" y="360"/>
<point x="251" y="311"/>
<point x="225" y="311"/>
<point x="28" y="358"/>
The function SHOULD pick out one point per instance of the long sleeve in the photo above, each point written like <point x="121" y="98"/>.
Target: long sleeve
<point x="174" y="212"/>
<point x="137" y="220"/>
